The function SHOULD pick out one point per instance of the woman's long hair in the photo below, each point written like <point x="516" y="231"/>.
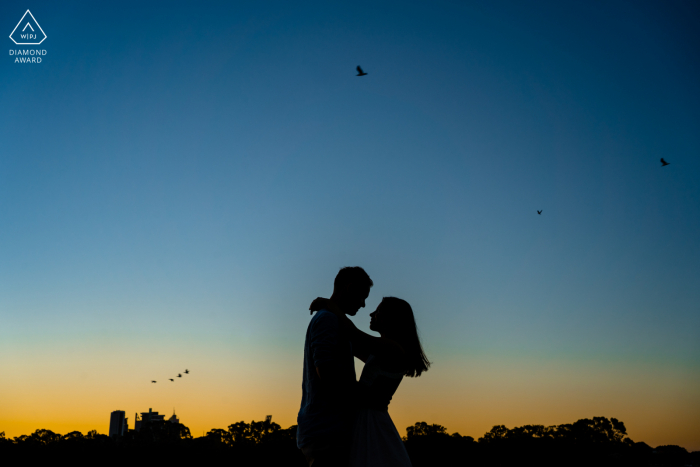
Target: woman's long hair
<point x="404" y="323"/>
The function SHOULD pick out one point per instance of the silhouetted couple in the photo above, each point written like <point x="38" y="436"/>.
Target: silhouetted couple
<point x="343" y="422"/>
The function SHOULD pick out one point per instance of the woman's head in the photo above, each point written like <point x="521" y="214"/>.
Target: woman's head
<point x="394" y="319"/>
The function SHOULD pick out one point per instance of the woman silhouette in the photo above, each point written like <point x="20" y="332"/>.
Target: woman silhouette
<point x="397" y="353"/>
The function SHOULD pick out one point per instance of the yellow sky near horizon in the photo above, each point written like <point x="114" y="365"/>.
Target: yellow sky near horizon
<point x="659" y="407"/>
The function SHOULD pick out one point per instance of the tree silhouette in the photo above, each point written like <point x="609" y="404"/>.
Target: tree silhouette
<point x="72" y="436"/>
<point x="423" y="429"/>
<point x="45" y="436"/>
<point x="598" y="441"/>
<point x="260" y="430"/>
<point x="217" y="435"/>
<point x="246" y="433"/>
<point x="239" y="432"/>
<point x="497" y="432"/>
<point x="598" y="430"/>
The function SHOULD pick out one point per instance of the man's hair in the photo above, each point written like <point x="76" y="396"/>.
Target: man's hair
<point x="354" y="276"/>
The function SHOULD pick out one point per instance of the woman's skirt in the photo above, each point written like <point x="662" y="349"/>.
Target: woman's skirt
<point x="376" y="443"/>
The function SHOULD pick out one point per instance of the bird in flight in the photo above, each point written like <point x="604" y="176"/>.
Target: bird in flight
<point x="152" y="381"/>
<point x="359" y="71"/>
<point x="179" y="375"/>
<point x="663" y="162"/>
<point x="171" y="379"/>
<point x="539" y="212"/>
<point x="187" y="372"/>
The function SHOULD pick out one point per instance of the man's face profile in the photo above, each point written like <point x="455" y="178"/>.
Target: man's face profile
<point x="356" y="299"/>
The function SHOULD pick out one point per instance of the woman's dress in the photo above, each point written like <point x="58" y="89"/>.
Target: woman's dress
<point x="376" y="442"/>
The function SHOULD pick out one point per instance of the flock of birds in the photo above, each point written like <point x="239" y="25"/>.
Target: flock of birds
<point x="360" y="72"/>
<point x="179" y="375"/>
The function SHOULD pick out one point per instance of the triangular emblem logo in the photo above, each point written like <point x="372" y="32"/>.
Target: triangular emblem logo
<point x="28" y="31"/>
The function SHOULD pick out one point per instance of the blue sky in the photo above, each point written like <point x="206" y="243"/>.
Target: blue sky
<point x="178" y="176"/>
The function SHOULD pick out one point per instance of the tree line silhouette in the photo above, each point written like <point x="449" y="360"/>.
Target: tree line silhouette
<point x="587" y="442"/>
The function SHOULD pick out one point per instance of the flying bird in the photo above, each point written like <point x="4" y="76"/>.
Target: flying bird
<point x="152" y="381"/>
<point x="663" y="162"/>
<point x="171" y="379"/>
<point x="187" y="372"/>
<point x="359" y="71"/>
<point x="539" y="212"/>
<point x="179" y="375"/>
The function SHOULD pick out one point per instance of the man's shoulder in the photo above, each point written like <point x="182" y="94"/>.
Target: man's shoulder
<point x="324" y="319"/>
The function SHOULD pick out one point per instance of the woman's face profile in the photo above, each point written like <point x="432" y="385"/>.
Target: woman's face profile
<point x="378" y="320"/>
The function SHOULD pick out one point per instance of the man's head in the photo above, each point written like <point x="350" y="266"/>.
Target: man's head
<point x="351" y="289"/>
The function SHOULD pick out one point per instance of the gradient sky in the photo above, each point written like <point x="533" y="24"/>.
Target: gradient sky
<point x="178" y="180"/>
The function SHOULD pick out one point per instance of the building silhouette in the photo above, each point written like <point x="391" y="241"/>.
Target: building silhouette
<point x="147" y="417"/>
<point x="118" y="424"/>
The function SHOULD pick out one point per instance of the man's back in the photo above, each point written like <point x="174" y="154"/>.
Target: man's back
<point x="325" y="408"/>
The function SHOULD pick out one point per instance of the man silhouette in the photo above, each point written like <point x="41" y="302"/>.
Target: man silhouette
<point x="327" y="408"/>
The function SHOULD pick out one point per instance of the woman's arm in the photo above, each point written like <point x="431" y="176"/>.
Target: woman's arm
<point x="367" y="344"/>
<point x="358" y="350"/>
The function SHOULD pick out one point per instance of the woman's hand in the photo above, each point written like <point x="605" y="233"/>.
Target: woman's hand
<point x="326" y="304"/>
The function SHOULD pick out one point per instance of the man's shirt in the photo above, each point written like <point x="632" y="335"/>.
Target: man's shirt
<point x="325" y="411"/>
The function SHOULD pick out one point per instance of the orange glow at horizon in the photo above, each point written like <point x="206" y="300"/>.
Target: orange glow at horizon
<point x="467" y="396"/>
